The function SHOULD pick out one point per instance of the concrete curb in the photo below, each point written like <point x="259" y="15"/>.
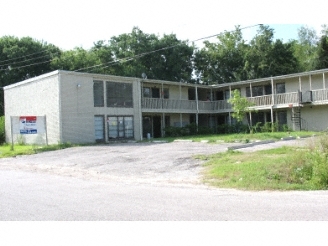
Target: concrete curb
<point x="250" y="145"/>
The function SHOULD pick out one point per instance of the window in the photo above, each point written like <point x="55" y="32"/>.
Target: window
<point x="256" y="91"/>
<point x="146" y="92"/>
<point x="119" y="95"/>
<point x="280" y="88"/>
<point x="120" y="127"/>
<point x="99" y="128"/>
<point x="98" y="93"/>
<point x="227" y="94"/>
<point x="166" y="94"/>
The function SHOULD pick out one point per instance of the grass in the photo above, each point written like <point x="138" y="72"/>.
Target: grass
<point x="285" y="168"/>
<point x="242" y="137"/>
<point x="22" y="149"/>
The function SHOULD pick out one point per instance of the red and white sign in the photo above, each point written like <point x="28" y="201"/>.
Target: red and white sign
<point x="28" y="125"/>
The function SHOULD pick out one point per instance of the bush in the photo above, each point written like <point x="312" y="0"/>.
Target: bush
<point x="310" y="165"/>
<point x="2" y="130"/>
<point x="319" y="159"/>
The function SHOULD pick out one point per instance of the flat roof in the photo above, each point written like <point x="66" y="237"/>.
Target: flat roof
<point x="131" y="79"/>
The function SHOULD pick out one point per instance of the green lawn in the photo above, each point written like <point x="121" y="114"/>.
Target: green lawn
<point x="6" y="149"/>
<point x="285" y="168"/>
<point x="242" y="137"/>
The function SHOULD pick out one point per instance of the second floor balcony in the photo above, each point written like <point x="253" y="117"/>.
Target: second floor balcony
<point x="220" y="106"/>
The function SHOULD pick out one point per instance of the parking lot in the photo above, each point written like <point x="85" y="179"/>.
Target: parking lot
<point x="170" y="163"/>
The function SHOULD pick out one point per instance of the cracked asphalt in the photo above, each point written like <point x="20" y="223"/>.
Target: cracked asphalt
<point x="170" y="163"/>
<point x="140" y="181"/>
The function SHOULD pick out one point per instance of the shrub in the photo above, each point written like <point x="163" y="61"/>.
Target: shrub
<point x="2" y="130"/>
<point x="319" y="159"/>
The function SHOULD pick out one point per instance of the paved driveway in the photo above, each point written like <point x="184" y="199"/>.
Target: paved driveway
<point x="171" y="163"/>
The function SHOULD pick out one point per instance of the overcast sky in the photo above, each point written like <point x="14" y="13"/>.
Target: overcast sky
<point x="68" y="24"/>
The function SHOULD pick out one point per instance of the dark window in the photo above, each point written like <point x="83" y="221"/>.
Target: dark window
<point x="219" y="95"/>
<point x="98" y="93"/>
<point x="281" y="88"/>
<point x="119" y="95"/>
<point x="191" y="94"/>
<point x="155" y="92"/>
<point x="166" y="94"/>
<point x="268" y="90"/>
<point x="256" y="91"/>
<point x="248" y="92"/>
<point x="282" y="117"/>
<point x="257" y="117"/>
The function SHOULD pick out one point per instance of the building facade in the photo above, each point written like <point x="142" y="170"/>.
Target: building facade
<point x="88" y="108"/>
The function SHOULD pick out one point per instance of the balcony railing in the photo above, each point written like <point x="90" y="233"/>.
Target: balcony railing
<point x="319" y="95"/>
<point x="261" y="100"/>
<point x="287" y="98"/>
<point x="172" y="104"/>
<point x="221" y="105"/>
<point x="279" y="99"/>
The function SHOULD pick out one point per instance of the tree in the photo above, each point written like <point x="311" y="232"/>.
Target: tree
<point x="322" y="61"/>
<point x="241" y="106"/>
<point x="223" y="61"/>
<point x="132" y="54"/>
<point x="23" y="58"/>
<point x="305" y="49"/>
<point x="282" y="59"/>
<point x="75" y="59"/>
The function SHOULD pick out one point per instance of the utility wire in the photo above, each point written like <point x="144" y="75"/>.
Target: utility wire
<point x="111" y="62"/>
<point x="34" y="58"/>
<point x="22" y="57"/>
<point x="150" y="52"/>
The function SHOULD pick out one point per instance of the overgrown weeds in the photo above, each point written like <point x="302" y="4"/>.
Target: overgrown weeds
<point x="285" y="168"/>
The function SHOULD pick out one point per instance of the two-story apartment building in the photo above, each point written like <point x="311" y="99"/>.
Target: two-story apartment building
<point x="84" y="107"/>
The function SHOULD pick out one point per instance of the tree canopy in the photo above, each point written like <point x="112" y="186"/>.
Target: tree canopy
<point x="228" y="59"/>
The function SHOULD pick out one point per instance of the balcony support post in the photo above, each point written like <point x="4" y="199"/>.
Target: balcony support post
<point x="323" y="81"/>
<point x="271" y="118"/>
<point x="273" y="92"/>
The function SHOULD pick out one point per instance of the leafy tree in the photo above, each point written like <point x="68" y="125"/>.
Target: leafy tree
<point x="134" y="53"/>
<point x="322" y="61"/>
<point x="282" y="58"/>
<point x="23" y="58"/>
<point x="223" y="61"/>
<point x="241" y="106"/>
<point x="305" y="49"/>
<point x="75" y="59"/>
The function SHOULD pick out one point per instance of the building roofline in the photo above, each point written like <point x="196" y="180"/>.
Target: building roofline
<point x="31" y="80"/>
<point x="131" y="79"/>
<point x="280" y="77"/>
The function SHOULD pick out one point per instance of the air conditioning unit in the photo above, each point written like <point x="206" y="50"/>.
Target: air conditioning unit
<point x="307" y="97"/>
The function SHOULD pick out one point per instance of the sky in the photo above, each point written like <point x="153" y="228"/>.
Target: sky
<point x="69" y="23"/>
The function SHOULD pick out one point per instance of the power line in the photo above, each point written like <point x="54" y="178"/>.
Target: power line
<point x="22" y="56"/>
<point x="112" y="62"/>
<point x="34" y="58"/>
<point x="150" y="52"/>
